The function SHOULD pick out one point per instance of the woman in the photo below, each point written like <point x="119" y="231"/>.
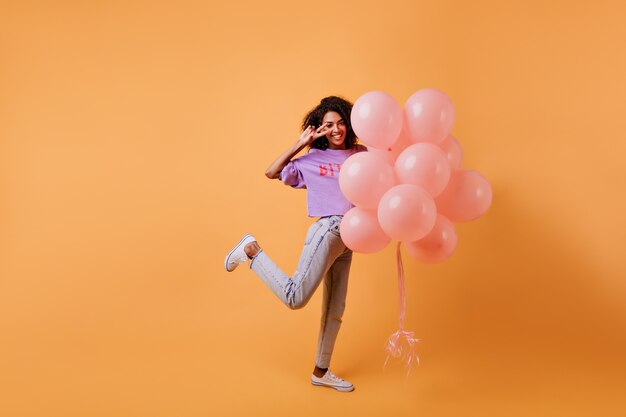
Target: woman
<point x="327" y="130"/>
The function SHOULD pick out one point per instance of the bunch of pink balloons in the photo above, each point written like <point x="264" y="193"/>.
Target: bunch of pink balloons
<point x="410" y="186"/>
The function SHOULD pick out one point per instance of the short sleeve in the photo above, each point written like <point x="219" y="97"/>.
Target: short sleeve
<point x="291" y="175"/>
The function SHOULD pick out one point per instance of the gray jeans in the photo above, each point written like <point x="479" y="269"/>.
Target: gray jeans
<point x="324" y="256"/>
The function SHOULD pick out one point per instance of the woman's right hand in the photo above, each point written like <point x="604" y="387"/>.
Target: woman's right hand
<point x="309" y="134"/>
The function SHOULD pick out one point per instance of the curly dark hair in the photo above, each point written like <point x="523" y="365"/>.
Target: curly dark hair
<point x="332" y="103"/>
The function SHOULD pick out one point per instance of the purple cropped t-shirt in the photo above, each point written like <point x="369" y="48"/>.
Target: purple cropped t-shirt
<point x="318" y="172"/>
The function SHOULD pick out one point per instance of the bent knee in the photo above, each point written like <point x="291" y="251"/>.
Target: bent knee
<point x="297" y="304"/>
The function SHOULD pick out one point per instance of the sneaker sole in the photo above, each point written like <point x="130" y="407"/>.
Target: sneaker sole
<point x="342" y="389"/>
<point x="233" y="250"/>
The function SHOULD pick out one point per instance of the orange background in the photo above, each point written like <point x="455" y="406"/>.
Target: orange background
<point x="133" y="141"/>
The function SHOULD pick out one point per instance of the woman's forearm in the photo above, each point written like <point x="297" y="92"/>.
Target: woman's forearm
<point x="307" y="136"/>
<point x="274" y="170"/>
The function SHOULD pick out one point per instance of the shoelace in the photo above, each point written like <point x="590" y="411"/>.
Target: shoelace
<point x="333" y="377"/>
<point x="238" y="260"/>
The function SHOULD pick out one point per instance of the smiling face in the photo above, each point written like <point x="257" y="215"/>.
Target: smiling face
<point x="337" y="130"/>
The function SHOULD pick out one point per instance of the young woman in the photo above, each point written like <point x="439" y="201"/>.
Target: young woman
<point x="328" y="133"/>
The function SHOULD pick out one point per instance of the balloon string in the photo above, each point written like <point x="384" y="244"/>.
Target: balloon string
<point x="395" y="346"/>
<point x="401" y="291"/>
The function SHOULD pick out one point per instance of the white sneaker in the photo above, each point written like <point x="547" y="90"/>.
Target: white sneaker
<point x="237" y="255"/>
<point x="331" y="380"/>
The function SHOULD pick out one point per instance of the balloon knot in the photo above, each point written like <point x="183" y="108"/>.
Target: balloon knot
<point x="403" y="344"/>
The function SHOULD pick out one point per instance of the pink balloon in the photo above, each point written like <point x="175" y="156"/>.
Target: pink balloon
<point x="467" y="196"/>
<point x="406" y="212"/>
<point x="452" y="148"/>
<point x="361" y="232"/>
<point x="364" y="178"/>
<point x="429" y="115"/>
<point x="438" y="245"/>
<point x="384" y="153"/>
<point x="425" y="165"/>
<point x="392" y="152"/>
<point x="376" y="119"/>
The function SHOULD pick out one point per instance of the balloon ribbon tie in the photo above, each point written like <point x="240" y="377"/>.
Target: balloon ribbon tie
<point x="402" y="344"/>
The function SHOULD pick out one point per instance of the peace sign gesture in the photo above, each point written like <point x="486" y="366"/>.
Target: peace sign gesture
<point x="309" y="134"/>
